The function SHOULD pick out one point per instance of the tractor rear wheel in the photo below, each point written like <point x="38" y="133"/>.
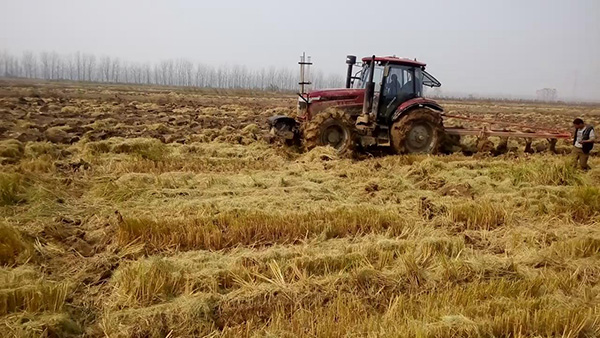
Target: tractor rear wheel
<point x="332" y="127"/>
<point x="420" y="130"/>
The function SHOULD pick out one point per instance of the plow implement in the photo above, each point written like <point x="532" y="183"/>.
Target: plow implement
<point x="503" y="130"/>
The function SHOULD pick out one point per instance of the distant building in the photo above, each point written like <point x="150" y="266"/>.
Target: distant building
<point x="547" y="94"/>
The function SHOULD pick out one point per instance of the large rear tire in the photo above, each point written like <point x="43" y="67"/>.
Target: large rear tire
<point x="419" y="131"/>
<point x="332" y="127"/>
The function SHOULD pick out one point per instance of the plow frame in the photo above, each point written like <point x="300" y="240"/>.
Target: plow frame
<point x="528" y="133"/>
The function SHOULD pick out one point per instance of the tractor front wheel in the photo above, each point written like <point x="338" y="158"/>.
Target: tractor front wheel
<point x="331" y="128"/>
<point x="419" y="131"/>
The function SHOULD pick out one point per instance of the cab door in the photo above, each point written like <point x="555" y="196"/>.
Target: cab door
<point x="399" y="84"/>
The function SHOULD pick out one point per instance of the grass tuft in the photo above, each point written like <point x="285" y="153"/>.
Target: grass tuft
<point x="542" y="173"/>
<point x="22" y="290"/>
<point x="580" y="247"/>
<point x="584" y="203"/>
<point x="38" y="149"/>
<point x="146" y="148"/>
<point x="480" y="215"/>
<point x="255" y="228"/>
<point x="40" y="325"/>
<point x="11" y="189"/>
<point x="150" y="149"/>
<point x="11" y="150"/>
<point x="146" y="283"/>
<point x="13" y="247"/>
<point x="182" y="317"/>
<point x="97" y="147"/>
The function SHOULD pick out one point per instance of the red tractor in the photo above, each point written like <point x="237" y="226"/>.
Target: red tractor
<point x="382" y="105"/>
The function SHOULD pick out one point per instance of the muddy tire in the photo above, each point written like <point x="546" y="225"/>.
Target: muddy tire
<point x="331" y="127"/>
<point x="419" y="131"/>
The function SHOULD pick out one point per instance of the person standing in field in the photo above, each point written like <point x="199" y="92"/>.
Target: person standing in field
<point x="583" y="142"/>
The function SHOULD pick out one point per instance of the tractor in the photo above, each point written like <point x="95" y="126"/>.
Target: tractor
<point x="381" y="106"/>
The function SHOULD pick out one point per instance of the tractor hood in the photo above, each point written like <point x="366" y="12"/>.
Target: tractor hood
<point x="336" y="94"/>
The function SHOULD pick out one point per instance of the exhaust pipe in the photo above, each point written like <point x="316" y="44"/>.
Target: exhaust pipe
<point x="304" y="73"/>
<point x="350" y="61"/>
<point x="369" y="90"/>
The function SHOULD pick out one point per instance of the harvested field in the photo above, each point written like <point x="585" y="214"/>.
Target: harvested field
<point x="162" y="212"/>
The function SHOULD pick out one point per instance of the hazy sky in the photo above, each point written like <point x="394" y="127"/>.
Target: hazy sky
<point x="472" y="46"/>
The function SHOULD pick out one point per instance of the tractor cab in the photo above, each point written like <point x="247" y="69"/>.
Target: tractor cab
<point x="396" y="81"/>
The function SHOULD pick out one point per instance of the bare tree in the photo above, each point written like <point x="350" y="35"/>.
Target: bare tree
<point x="71" y="66"/>
<point x="163" y="72"/>
<point x="10" y="65"/>
<point x="116" y="70"/>
<point x="105" y="68"/>
<point x="91" y="63"/>
<point x="79" y="66"/>
<point x="29" y="63"/>
<point x="547" y="94"/>
<point x="45" y="64"/>
<point x="148" y="78"/>
<point x="84" y="67"/>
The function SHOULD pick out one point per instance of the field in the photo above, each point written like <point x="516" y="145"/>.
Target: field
<point x="162" y="212"/>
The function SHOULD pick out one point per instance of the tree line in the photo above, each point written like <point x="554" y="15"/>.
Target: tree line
<point x="172" y="72"/>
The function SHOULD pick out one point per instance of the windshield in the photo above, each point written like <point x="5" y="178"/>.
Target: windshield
<point x="377" y="76"/>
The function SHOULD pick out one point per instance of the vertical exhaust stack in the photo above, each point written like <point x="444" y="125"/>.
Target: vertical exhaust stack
<point x="305" y="64"/>
<point x="369" y="89"/>
<point x="350" y="61"/>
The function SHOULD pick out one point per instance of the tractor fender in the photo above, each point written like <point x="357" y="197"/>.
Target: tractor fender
<point x="413" y="103"/>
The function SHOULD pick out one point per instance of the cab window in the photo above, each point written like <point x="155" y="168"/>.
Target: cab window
<point x="401" y="85"/>
<point x="400" y="82"/>
<point x="430" y="81"/>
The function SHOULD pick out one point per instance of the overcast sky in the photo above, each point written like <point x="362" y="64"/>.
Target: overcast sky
<point x="505" y="47"/>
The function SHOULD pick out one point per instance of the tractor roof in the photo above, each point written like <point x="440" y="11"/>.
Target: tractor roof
<point x="395" y="60"/>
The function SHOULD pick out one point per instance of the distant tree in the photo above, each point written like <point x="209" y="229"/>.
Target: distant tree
<point x="147" y="71"/>
<point x="547" y="94"/>
<point x="45" y="65"/>
<point x="10" y="65"/>
<point x="91" y="63"/>
<point x="116" y="71"/>
<point x="105" y="68"/>
<point x="79" y="66"/>
<point x="29" y="63"/>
